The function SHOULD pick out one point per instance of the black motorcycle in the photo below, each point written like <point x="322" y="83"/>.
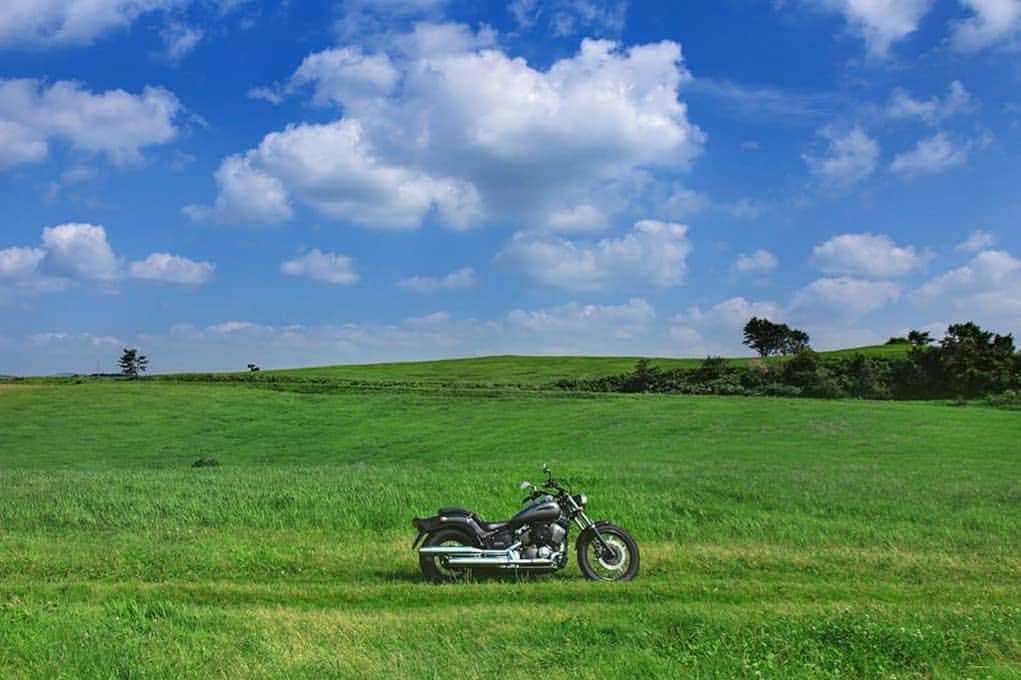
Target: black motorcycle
<point x="458" y="541"/>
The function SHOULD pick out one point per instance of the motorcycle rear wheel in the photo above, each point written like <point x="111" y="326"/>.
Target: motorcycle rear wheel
<point x="432" y="565"/>
<point x="620" y="564"/>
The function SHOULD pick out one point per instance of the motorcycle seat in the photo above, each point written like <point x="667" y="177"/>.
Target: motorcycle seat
<point x="483" y="524"/>
<point x="491" y="526"/>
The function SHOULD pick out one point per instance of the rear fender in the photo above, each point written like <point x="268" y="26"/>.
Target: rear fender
<point x="429" y="525"/>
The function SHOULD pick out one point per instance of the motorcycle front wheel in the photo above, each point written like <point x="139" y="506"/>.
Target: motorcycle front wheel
<point x="619" y="563"/>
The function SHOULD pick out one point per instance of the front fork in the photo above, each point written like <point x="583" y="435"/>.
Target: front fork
<point x="584" y="523"/>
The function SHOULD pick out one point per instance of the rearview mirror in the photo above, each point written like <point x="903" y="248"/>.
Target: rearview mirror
<point x="525" y="485"/>
<point x="545" y="467"/>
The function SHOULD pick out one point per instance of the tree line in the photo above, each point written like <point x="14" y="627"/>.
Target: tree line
<point x="967" y="363"/>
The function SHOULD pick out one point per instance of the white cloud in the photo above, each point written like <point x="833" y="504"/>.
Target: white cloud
<point x="976" y="241"/>
<point x="456" y="280"/>
<point x="850" y="159"/>
<point x="931" y="155"/>
<point x="989" y="285"/>
<point x="903" y="106"/>
<point x="18" y="264"/>
<point x="652" y="254"/>
<point x="246" y="196"/>
<point x="565" y="321"/>
<point x="881" y="23"/>
<point x="64" y="23"/>
<point x="991" y="22"/>
<point x="718" y="329"/>
<point x="759" y="262"/>
<point x="568" y="17"/>
<point x="868" y="255"/>
<point x="841" y="299"/>
<point x="335" y="169"/>
<point x="179" y="40"/>
<point x="68" y="22"/>
<point x="320" y="266"/>
<point x="468" y="134"/>
<point x="345" y="75"/>
<point x="115" y="123"/>
<point x="173" y="269"/>
<point x="584" y="217"/>
<point x="80" y="251"/>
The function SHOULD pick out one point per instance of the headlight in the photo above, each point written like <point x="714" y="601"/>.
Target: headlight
<point x="581" y="499"/>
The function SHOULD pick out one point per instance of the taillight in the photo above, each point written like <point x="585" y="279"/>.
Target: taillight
<point x="414" y="522"/>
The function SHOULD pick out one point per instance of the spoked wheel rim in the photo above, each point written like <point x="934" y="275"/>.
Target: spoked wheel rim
<point x="609" y="565"/>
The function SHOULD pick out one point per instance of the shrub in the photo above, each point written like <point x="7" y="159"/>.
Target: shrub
<point x="206" y="462"/>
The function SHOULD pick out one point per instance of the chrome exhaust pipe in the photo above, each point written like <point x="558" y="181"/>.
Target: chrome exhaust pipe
<point x="502" y="563"/>
<point x="467" y="556"/>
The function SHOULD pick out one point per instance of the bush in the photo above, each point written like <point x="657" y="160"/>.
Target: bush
<point x="206" y="462"/>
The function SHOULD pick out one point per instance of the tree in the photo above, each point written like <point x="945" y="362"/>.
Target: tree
<point x="976" y="362"/>
<point x="132" y="363"/>
<point x="768" y="338"/>
<point x="642" y="378"/>
<point x="253" y="368"/>
<point x="919" y="338"/>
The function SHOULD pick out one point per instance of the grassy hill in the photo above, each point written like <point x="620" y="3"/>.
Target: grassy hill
<point x="779" y="537"/>
<point x="526" y="370"/>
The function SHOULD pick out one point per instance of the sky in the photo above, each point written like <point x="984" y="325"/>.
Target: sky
<point x="224" y="182"/>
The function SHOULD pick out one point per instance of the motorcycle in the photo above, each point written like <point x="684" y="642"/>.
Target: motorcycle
<point x="457" y="542"/>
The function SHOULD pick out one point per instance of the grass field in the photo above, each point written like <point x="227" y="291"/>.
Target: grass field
<point x="779" y="537"/>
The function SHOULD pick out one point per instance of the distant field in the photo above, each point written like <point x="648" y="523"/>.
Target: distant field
<point x="526" y="370"/>
<point x="780" y="537"/>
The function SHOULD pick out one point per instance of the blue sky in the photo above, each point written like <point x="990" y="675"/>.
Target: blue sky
<point x="220" y="182"/>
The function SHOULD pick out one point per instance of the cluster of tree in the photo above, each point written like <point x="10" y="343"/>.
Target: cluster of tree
<point x="769" y="339"/>
<point x="968" y="363"/>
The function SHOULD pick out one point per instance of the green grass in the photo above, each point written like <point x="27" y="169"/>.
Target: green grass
<point x="779" y="537"/>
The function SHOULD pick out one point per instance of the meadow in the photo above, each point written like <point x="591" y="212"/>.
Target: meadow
<point x="780" y="537"/>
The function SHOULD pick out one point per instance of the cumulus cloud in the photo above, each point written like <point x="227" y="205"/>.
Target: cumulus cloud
<point x="63" y="23"/>
<point x="456" y="280"/>
<point x="80" y="252"/>
<point x="173" y="269"/>
<point x="335" y="169"/>
<point x="989" y="285"/>
<point x="977" y="240"/>
<point x="868" y="255"/>
<point x="850" y="159"/>
<point x="991" y="22"/>
<point x="880" y="23"/>
<point x="443" y="127"/>
<point x="718" y="329"/>
<point x="842" y="299"/>
<point x="931" y="155"/>
<point x="345" y="75"/>
<point x="653" y="254"/>
<point x="903" y="106"/>
<point x="320" y="266"/>
<point x="115" y="123"/>
<point x="759" y="262"/>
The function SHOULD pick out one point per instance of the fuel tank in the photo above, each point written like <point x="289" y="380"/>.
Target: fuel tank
<point x="543" y="510"/>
